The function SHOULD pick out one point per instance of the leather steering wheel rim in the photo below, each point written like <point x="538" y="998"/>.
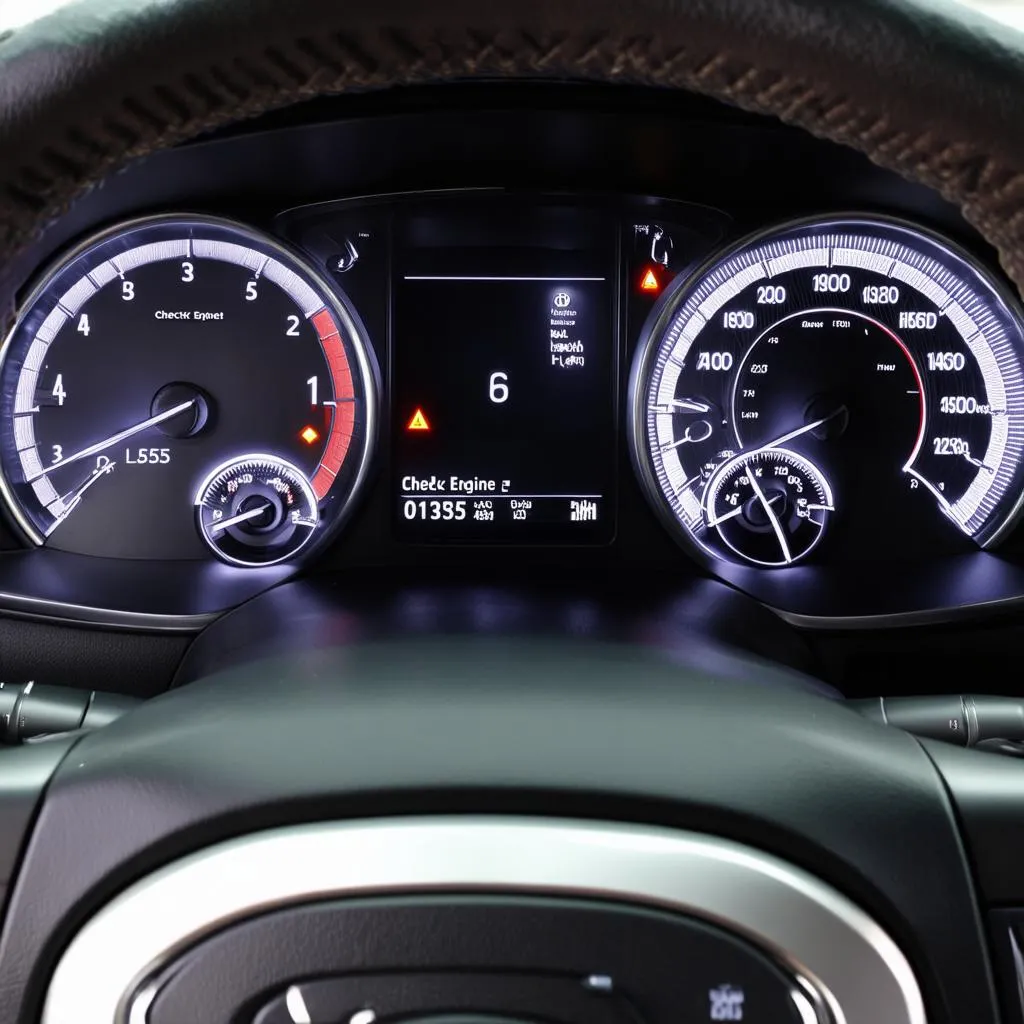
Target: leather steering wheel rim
<point x="924" y="87"/>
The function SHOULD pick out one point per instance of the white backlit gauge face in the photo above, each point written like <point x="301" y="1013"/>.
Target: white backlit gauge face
<point x="858" y="357"/>
<point x="168" y="353"/>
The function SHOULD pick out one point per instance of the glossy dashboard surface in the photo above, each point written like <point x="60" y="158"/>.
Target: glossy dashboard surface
<point x="486" y="459"/>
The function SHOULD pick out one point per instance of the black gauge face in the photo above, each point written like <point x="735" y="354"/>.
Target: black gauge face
<point x="878" y="356"/>
<point x="156" y="354"/>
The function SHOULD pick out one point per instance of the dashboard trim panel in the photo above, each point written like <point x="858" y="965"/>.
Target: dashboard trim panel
<point x="108" y="970"/>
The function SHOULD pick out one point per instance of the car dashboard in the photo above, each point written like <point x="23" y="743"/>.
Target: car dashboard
<point x="601" y="366"/>
<point x="511" y="514"/>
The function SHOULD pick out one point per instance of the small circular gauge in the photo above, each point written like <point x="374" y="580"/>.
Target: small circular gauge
<point x="256" y="510"/>
<point x="769" y="506"/>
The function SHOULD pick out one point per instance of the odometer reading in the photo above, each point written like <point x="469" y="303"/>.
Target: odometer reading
<point x="157" y="353"/>
<point x="875" y="353"/>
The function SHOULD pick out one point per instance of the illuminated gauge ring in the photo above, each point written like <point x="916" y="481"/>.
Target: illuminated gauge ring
<point x="889" y="284"/>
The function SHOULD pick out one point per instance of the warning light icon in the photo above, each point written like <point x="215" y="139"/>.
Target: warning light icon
<point x="649" y="282"/>
<point x="418" y="421"/>
<point x="310" y="435"/>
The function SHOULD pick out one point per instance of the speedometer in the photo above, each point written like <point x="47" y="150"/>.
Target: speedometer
<point x="857" y="357"/>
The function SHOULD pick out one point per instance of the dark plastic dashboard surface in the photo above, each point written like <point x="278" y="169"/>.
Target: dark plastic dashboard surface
<point x="588" y="140"/>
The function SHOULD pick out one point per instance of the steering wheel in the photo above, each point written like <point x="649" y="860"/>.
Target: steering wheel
<point x="477" y="809"/>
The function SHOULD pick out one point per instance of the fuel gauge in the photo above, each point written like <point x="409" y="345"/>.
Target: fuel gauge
<point x="256" y="510"/>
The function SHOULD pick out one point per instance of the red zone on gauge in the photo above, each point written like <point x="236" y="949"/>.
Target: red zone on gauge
<point x="920" y="389"/>
<point x="339" y="439"/>
<point x="741" y="382"/>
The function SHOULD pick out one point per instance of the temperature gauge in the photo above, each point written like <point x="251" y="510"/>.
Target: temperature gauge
<point x="256" y="510"/>
<point x="770" y="506"/>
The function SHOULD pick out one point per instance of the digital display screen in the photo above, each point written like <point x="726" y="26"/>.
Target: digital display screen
<point x="503" y="378"/>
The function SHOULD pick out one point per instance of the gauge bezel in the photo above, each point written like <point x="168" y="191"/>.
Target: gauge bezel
<point x="660" y="319"/>
<point x="358" y="343"/>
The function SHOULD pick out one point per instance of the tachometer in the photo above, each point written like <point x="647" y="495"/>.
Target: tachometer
<point x="877" y="354"/>
<point x="159" y="354"/>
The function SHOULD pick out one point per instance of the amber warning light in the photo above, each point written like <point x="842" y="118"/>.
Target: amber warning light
<point x="418" y="421"/>
<point x="310" y="435"/>
<point x="649" y="282"/>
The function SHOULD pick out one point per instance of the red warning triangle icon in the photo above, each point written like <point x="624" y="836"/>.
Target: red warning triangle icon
<point x="418" y="421"/>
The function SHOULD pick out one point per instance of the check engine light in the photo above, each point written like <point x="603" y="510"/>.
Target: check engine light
<point x="418" y="422"/>
<point x="649" y="282"/>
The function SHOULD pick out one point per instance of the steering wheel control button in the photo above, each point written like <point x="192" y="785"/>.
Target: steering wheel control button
<point x="515" y="959"/>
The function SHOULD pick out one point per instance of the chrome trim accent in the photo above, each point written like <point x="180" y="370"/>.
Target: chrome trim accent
<point x="804" y="1006"/>
<point x="892" y="620"/>
<point x="822" y="937"/>
<point x="41" y="609"/>
<point x="1018" y="966"/>
<point x="139" y="1012"/>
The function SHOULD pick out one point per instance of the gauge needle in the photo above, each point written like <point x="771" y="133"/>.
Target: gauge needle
<point x="240" y="518"/>
<point x="776" y="525"/>
<point x="977" y="462"/>
<point x="76" y="499"/>
<point x="724" y="519"/>
<point x="779" y="441"/>
<point x="123" y="435"/>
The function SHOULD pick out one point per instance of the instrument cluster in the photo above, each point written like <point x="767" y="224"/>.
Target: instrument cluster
<point x="843" y="390"/>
